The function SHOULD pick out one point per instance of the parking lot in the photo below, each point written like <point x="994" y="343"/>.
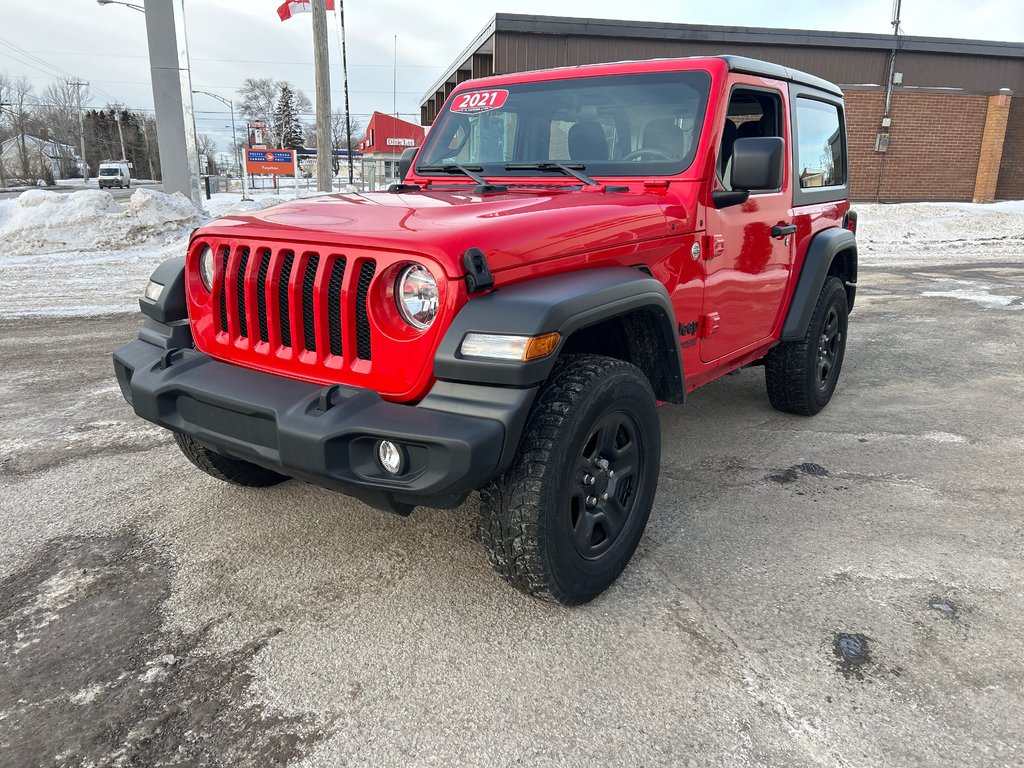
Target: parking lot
<point x="841" y="590"/>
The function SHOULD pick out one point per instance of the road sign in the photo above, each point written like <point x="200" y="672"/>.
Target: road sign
<point x="274" y="162"/>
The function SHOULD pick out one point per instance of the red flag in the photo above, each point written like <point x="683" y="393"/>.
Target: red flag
<point x="291" y="7"/>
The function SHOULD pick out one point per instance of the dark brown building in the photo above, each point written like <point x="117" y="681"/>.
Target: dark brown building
<point x="956" y="131"/>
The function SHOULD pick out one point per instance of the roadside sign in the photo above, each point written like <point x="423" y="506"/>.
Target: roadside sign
<point x="273" y="162"/>
<point x="257" y="135"/>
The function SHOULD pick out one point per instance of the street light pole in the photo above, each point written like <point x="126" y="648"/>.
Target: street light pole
<point x="234" y="139"/>
<point x="133" y="6"/>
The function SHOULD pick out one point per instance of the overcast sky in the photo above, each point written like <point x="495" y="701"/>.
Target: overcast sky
<point x="230" y="40"/>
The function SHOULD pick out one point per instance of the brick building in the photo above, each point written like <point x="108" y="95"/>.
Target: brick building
<point x="386" y="138"/>
<point x="956" y="132"/>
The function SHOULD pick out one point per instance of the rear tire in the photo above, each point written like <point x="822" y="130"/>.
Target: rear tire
<point x="802" y="375"/>
<point x="564" y="520"/>
<point x="223" y="468"/>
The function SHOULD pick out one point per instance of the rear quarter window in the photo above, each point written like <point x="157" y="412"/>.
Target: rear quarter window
<point x="819" y="156"/>
<point x="821" y="150"/>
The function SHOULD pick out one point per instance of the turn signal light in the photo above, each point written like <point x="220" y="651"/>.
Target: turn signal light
<point x="541" y="346"/>
<point x="501" y="347"/>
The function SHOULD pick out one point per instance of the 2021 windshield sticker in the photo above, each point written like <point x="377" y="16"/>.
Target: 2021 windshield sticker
<point x="479" y="101"/>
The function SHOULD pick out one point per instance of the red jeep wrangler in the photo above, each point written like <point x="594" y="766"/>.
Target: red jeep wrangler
<point x="568" y="249"/>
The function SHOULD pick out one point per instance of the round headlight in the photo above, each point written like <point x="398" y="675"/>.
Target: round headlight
<point x="206" y="267"/>
<point x="416" y="296"/>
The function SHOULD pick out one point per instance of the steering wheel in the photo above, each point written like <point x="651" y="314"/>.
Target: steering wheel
<point x="636" y="154"/>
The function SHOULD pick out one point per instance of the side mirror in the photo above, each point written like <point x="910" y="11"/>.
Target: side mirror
<point x="757" y="164"/>
<point x="406" y="160"/>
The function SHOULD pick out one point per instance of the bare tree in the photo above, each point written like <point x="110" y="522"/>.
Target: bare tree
<point x="259" y="99"/>
<point x="16" y="96"/>
<point x="59" y="109"/>
<point x="208" y="148"/>
<point x="339" y="136"/>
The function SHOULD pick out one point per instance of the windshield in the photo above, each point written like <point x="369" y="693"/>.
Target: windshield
<point x="109" y="172"/>
<point x="619" y="125"/>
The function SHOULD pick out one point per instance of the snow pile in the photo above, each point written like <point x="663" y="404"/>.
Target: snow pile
<point x="938" y="222"/>
<point x="41" y="221"/>
<point x="84" y="253"/>
<point x="911" y="234"/>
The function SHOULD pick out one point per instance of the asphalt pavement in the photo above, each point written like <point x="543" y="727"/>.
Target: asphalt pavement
<point x="842" y="590"/>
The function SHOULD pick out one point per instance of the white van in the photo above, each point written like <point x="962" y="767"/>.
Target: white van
<point x="115" y="175"/>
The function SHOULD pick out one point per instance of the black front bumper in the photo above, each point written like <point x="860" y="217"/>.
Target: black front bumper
<point x="456" y="439"/>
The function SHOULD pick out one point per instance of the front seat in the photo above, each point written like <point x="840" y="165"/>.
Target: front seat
<point x="587" y="141"/>
<point x="666" y="136"/>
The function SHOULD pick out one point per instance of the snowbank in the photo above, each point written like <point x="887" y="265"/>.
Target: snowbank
<point x="41" y="221"/>
<point x="84" y="253"/>
<point x="911" y="234"/>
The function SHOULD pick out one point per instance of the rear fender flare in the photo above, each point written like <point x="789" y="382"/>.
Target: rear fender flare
<point x="822" y="251"/>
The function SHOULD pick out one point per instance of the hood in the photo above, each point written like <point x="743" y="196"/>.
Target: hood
<point x="524" y="225"/>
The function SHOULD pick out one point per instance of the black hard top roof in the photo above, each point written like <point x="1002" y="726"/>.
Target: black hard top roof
<point x="748" y="66"/>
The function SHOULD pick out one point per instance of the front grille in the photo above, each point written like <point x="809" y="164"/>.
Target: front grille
<point x="243" y="311"/>
<point x="362" y="314"/>
<point x="334" y="305"/>
<point x="224" y="294"/>
<point x="283" y="296"/>
<point x="294" y="299"/>
<point x="261" y="295"/>
<point x="308" y="310"/>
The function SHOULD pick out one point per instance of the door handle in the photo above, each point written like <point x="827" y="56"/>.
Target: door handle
<point x="781" y="230"/>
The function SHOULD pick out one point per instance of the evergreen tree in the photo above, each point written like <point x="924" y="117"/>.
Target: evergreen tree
<point x="286" y="119"/>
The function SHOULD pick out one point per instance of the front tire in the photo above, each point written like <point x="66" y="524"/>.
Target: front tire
<point x="565" y="518"/>
<point x="224" y="468"/>
<point x="802" y="375"/>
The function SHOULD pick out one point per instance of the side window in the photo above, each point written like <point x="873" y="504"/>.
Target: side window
<point x="821" y="154"/>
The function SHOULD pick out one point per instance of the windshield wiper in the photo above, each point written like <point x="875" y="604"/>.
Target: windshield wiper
<point x="465" y="170"/>
<point x="472" y="171"/>
<point x="569" y="170"/>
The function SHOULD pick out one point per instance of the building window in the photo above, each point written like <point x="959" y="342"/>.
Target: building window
<point x="821" y="154"/>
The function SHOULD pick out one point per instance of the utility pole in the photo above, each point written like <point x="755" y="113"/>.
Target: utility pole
<point x="81" y="128"/>
<point x="120" y="133"/>
<point x="344" y="69"/>
<point x="322" y="64"/>
<point x="172" y="97"/>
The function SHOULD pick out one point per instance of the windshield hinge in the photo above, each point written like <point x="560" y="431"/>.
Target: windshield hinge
<point x="478" y="274"/>
<point x="396" y="189"/>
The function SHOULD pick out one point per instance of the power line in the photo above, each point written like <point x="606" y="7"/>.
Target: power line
<point x="233" y="61"/>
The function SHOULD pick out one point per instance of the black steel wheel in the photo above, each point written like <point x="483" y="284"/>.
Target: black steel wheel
<point x="801" y="376"/>
<point x="608" y="472"/>
<point x="564" y="520"/>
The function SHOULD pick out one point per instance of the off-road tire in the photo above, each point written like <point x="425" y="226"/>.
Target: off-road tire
<point x="793" y="371"/>
<point x="223" y="468"/>
<point x="533" y="518"/>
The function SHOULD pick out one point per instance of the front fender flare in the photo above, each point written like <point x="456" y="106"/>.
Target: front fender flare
<point x="564" y="303"/>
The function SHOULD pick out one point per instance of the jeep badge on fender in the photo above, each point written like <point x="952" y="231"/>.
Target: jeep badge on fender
<point x="508" y="318"/>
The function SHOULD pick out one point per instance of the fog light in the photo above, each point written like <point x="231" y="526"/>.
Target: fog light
<point x="389" y="457"/>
